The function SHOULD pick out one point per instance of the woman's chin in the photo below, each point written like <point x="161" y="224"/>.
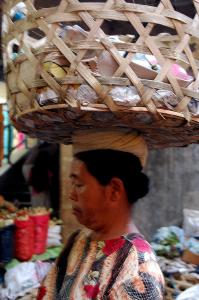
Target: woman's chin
<point x="85" y="222"/>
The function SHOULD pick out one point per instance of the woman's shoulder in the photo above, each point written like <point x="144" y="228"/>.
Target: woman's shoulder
<point x="143" y="253"/>
<point x="139" y="243"/>
<point x="141" y="269"/>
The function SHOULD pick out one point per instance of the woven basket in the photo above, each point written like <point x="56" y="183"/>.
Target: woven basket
<point x="177" y="284"/>
<point x="43" y="99"/>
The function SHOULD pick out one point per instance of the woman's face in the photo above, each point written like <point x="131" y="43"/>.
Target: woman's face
<point x="90" y="200"/>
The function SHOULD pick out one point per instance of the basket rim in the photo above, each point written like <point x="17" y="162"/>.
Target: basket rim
<point x="104" y="108"/>
<point x="56" y="124"/>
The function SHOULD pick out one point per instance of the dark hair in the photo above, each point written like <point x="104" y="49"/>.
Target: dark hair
<point x="45" y="163"/>
<point x="104" y="164"/>
<point x="39" y="175"/>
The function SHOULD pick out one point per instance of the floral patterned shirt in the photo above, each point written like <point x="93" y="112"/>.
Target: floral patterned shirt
<point x="90" y="267"/>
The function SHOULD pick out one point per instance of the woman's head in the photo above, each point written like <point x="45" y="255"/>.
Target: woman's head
<point x="106" y="177"/>
<point x="106" y="164"/>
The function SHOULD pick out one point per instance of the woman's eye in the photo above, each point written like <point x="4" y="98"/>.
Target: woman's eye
<point x="77" y="185"/>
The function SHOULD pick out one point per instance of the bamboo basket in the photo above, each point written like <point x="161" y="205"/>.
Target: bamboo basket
<point x="177" y="284"/>
<point x="36" y="34"/>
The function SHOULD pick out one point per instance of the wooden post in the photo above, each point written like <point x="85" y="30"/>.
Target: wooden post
<point x="1" y="134"/>
<point x="69" y="221"/>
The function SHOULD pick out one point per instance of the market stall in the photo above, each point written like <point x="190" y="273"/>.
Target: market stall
<point x="178" y="256"/>
<point x="29" y="243"/>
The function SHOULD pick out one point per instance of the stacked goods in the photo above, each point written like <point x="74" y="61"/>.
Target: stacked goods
<point x="26" y="232"/>
<point x="7" y="210"/>
<point x="40" y="217"/>
<point x="54" y="233"/>
<point x="31" y="232"/>
<point x="23" y="233"/>
<point x="6" y="237"/>
<point x="24" y="236"/>
<point x="171" y="245"/>
<point x="65" y="71"/>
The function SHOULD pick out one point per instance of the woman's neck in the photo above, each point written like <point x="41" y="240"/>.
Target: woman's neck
<point x="115" y="231"/>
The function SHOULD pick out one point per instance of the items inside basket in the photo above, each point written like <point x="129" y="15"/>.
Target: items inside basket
<point x="101" y="64"/>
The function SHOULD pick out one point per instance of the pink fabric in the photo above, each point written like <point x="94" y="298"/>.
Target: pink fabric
<point x="141" y="245"/>
<point x="112" y="245"/>
<point x="179" y="72"/>
<point x="91" y="291"/>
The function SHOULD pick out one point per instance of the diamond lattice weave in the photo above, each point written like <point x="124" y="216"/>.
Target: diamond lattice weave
<point x="65" y="71"/>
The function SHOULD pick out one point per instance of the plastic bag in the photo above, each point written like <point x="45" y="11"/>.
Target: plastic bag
<point x="126" y="96"/>
<point x="190" y="294"/>
<point x="54" y="236"/>
<point x="47" y="96"/>
<point x="193" y="106"/>
<point x="191" y="222"/>
<point x="83" y="94"/>
<point x="193" y="245"/>
<point x="42" y="269"/>
<point x="164" y="98"/>
<point x="19" y="280"/>
<point x="168" y="241"/>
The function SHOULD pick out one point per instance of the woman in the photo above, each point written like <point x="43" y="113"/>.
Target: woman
<point x="110" y="260"/>
<point x="41" y="171"/>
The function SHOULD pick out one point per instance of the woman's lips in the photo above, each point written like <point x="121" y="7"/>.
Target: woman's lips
<point x="76" y="211"/>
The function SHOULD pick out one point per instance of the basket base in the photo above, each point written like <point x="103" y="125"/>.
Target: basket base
<point x="56" y="123"/>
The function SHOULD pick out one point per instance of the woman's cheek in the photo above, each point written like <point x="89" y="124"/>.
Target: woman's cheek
<point x="82" y="197"/>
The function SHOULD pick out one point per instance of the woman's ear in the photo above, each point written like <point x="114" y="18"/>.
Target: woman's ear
<point x="117" y="189"/>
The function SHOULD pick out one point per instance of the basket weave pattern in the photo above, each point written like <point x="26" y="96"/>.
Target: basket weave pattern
<point x="177" y="284"/>
<point x="55" y="121"/>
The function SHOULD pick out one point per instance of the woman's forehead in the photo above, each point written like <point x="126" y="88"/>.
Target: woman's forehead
<point x="78" y="168"/>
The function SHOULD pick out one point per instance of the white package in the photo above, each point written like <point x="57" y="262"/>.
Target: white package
<point x="126" y="96"/>
<point x="190" y="294"/>
<point x="19" y="280"/>
<point x="191" y="222"/>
